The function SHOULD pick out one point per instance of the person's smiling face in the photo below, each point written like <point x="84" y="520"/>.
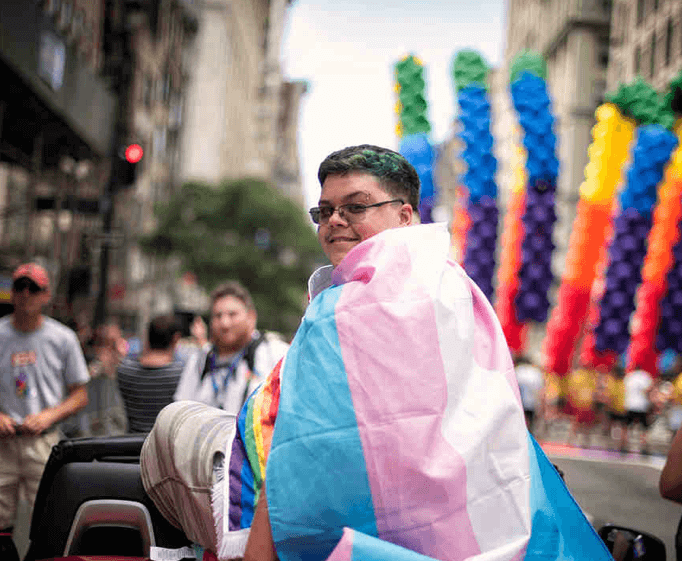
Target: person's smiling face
<point x="337" y="235"/>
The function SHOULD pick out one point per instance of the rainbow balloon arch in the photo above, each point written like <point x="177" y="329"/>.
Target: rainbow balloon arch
<point x="620" y="294"/>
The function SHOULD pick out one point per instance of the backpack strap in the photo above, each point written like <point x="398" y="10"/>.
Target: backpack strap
<point x="249" y="355"/>
<point x="250" y="351"/>
<point x="250" y="358"/>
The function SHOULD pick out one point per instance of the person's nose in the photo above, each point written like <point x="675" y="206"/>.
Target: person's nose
<point x="338" y="217"/>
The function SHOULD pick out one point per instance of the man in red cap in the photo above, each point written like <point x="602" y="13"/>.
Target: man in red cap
<point x="43" y="379"/>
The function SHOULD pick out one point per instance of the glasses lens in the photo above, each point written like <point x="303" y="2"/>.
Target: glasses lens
<point x="322" y="214"/>
<point x="23" y="284"/>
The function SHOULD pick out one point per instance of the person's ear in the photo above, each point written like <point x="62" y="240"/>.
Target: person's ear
<point x="406" y="215"/>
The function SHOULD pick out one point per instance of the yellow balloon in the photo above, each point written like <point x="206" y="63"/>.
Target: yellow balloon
<point x="587" y="190"/>
<point x="606" y="111"/>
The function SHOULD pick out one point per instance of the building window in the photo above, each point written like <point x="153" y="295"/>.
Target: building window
<point x="640" y="12"/>
<point x="147" y="87"/>
<point x="598" y="90"/>
<point x="638" y="60"/>
<point x="604" y="52"/>
<point x="625" y="22"/>
<point x="652" y="60"/>
<point x="668" y="41"/>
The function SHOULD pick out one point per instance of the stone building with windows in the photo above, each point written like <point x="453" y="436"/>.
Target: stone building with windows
<point x="646" y="40"/>
<point x="161" y="38"/>
<point x="241" y="115"/>
<point x="57" y="117"/>
<point x="208" y="102"/>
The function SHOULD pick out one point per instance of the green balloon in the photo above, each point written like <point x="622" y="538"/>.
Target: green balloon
<point x="640" y="101"/>
<point x="410" y="76"/>
<point x="469" y="68"/>
<point x="673" y="98"/>
<point x="528" y="61"/>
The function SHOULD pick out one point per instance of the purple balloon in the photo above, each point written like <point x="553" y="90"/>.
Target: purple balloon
<point x="612" y="326"/>
<point x="627" y="242"/>
<point x="618" y="300"/>
<point x="676" y="298"/>
<point x="476" y="213"/>
<point x="488" y="230"/>
<point x="675" y="327"/>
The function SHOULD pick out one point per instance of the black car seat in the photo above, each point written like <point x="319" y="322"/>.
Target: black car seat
<point x="91" y="502"/>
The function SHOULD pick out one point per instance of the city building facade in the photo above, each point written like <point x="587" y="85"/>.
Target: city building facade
<point x="646" y="40"/>
<point x="241" y="115"/>
<point x="197" y="84"/>
<point x="57" y="119"/>
<point x="138" y="284"/>
<point x="207" y="104"/>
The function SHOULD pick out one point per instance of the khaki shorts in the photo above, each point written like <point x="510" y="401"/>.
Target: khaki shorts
<point x="22" y="462"/>
<point x="177" y="465"/>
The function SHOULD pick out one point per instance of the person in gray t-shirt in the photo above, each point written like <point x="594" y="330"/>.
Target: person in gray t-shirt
<point x="43" y="380"/>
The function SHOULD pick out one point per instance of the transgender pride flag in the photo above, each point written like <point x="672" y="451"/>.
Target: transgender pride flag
<point x="399" y="430"/>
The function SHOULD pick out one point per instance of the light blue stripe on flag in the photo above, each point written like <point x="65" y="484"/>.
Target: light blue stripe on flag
<point x="367" y="548"/>
<point x="316" y="479"/>
<point x="560" y="530"/>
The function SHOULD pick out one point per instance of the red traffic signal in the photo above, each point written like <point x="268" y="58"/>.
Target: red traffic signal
<point x="134" y="153"/>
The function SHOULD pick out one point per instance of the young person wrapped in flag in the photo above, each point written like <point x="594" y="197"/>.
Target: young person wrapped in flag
<point x="393" y="427"/>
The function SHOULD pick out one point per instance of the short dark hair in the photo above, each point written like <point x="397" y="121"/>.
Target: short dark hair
<point x="161" y="331"/>
<point x="395" y="173"/>
<point x="232" y="288"/>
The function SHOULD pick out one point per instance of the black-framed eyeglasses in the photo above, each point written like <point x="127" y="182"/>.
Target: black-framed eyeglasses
<point x="22" y="284"/>
<point x="351" y="212"/>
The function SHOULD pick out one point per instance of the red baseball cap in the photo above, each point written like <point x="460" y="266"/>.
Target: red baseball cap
<point x="34" y="272"/>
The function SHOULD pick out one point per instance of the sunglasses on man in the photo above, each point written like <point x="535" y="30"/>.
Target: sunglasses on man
<point x="20" y="285"/>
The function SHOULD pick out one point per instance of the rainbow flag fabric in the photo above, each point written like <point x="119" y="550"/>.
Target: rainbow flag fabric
<point x="393" y="428"/>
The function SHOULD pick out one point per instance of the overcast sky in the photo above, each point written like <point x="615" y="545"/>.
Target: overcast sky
<point x="346" y="50"/>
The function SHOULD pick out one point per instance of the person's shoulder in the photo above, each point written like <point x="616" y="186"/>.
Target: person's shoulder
<point x="5" y="324"/>
<point x="128" y="363"/>
<point x="57" y="328"/>
<point x="274" y="337"/>
<point x="275" y="340"/>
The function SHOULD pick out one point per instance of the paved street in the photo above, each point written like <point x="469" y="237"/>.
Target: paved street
<point x="622" y="492"/>
<point x="618" y="488"/>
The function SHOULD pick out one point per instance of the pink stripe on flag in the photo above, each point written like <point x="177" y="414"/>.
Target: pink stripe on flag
<point x="489" y="336"/>
<point x="344" y="549"/>
<point x="420" y="501"/>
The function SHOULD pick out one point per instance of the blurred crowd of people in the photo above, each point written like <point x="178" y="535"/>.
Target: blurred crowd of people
<point x="130" y="383"/>
<point x="616" y="406"/>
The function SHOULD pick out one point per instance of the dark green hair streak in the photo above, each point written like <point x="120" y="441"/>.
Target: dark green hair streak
<point x="394" y="172"/>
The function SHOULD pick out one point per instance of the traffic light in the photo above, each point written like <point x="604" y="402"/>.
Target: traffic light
<point x="409" y="75"/>
<point x="127" y="162"/>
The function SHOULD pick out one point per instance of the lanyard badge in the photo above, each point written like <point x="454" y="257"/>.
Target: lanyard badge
<point x="213" y="368"/>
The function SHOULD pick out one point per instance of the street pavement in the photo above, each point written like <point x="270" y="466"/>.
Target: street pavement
<point x="557" y="434"/>
<point x="614" y="487"/>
